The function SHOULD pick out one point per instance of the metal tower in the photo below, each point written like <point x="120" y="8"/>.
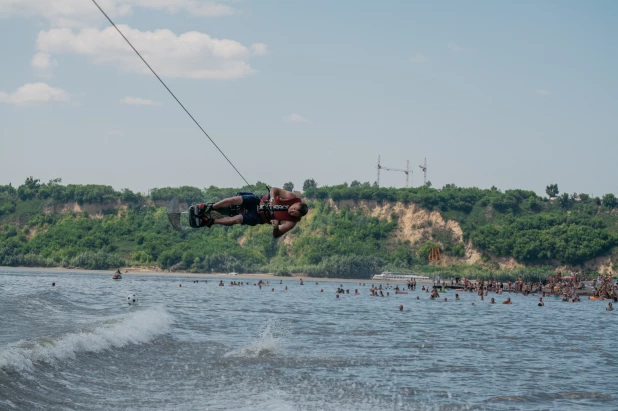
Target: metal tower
<point x="406" y="171"/>
<point x="424" y="168"/>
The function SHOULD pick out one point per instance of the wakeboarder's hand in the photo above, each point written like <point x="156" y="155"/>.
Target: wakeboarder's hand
<point x="275" y="223"/>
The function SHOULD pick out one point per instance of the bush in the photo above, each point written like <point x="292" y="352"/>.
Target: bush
<point x="97" y="260"/>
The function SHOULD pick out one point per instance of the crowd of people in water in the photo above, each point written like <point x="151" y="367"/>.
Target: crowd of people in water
<point x="569" y="288"/>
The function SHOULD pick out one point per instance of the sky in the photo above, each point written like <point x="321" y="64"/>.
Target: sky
<point x="512" y="94"/>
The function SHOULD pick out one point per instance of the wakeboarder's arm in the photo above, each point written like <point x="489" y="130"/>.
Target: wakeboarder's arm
<point x="284" y="227"/>
<point x="281" y="193"/>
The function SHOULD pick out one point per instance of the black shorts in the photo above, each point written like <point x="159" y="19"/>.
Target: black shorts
<point x="250" y="202"/>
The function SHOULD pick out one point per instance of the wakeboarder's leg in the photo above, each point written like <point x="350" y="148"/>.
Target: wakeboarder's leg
<point x="228" y="202"/>
<point x="202" y="210"/>
<point x="228" y="220"/>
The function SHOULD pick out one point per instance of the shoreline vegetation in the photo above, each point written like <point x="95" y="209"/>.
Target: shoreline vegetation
<point x="353" y="231"/>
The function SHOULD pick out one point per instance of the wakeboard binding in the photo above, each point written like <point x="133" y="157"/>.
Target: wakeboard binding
<point x="199" y="215"/>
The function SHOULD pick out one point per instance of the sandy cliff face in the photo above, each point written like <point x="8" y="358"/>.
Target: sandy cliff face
<point x="416" y="224"/>
<point x="94" y="210"/>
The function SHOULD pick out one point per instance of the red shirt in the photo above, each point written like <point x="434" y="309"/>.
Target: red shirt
<point x="280" y="213"/>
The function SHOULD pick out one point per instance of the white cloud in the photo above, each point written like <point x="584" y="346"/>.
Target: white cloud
<point x="543" y="92"/>
<point x="34" y="94"/>
<point x="189" y="55"/>
<point x="295" y="118"/>
<point x="80" y="13"/>
<point x="419" y="58"/>
<point x="456" y="47"/>
<point x="136" y="101"/>
<point x="259" y="49"/>
<point x="43" y="61"/>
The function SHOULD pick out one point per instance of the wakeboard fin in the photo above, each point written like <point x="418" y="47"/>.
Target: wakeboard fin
<point x="173" y="214"/>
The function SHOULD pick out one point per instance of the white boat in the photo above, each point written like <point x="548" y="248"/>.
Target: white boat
<point x="387" y="275"/>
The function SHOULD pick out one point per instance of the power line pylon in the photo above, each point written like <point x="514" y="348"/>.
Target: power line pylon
<point x="406" y="170"/>
<point x="424" y="168"/>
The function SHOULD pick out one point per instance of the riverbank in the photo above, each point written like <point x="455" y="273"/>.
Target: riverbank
<point x="140" y="271"/>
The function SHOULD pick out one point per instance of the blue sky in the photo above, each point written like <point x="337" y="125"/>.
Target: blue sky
<point x="512" y="94"/>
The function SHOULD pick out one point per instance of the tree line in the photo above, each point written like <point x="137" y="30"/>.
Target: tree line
<point x="515" y="223"/>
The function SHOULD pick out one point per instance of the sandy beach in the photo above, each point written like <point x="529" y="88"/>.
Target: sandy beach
<point x="130" y="271"/>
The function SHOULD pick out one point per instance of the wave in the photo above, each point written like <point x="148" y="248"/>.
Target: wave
<point x="135" y="328"/>
<point x="268" y="343"/>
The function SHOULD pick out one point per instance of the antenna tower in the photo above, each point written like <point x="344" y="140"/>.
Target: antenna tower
<point x="424" y="168"/>
<point x="406" y="171"/>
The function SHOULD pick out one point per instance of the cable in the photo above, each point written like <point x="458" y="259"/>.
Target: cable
<point x="170" y="91"/>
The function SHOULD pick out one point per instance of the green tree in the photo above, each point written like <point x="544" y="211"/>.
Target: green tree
<point x="609" y="200"/>
<point x="552" y="190"/>
<point x="289" y="186"/>
<point x="565" y="200"/>
<point x="309" y="183"/>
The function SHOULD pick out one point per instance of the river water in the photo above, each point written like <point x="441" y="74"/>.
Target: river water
<point x="80" y="346"/>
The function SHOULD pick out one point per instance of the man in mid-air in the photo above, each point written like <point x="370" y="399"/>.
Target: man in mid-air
<point x="283" y="211"/>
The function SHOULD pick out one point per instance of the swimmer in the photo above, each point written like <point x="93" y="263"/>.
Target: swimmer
<point x="492" y="301"/>
<point x="457" y="297"/>
<point x="508" y="301"/>
<point x="541" y="303"/>
<point x="609" y="307"/>
<point x="444" y="299"/>
<point x="337" y="295"/>
<point x="356" y="291"/>
<point x="401" y="307"/>
<point x="221" y="283"/>
<point x="53" y="284"/>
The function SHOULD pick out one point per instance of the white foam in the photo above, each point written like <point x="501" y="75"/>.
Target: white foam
<point x="136" y="328"/>
<point x="268" y="343"/>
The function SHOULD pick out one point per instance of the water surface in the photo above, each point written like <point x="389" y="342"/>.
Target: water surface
<point x="80" y="346"/>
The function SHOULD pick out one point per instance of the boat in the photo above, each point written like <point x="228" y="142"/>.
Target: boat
<point x="387" y="275"/>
